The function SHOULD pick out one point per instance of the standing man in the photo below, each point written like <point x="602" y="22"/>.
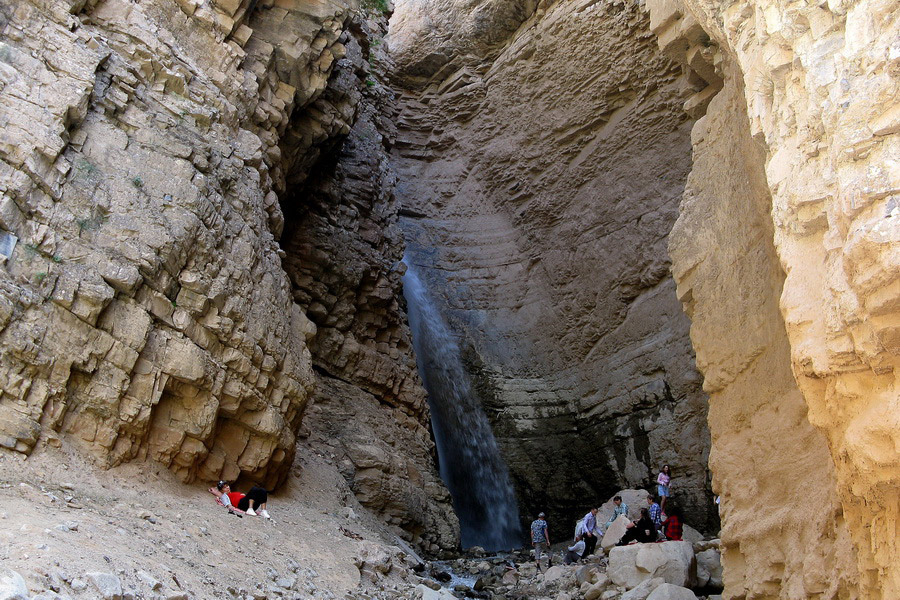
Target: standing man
<point x="540" y="539"/>
<point x="590" y="531"/>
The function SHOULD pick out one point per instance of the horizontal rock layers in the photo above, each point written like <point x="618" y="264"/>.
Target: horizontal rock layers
<point x="145" y="311"/>
<point x="343" y="249"/>
<point x="539" y="181"/>
<point x="146" y="153"/>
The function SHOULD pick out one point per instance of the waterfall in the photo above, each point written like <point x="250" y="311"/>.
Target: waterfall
<point x="468" y="456"/>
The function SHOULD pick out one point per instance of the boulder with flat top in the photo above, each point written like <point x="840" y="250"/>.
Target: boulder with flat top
<point x="672" y="561"/>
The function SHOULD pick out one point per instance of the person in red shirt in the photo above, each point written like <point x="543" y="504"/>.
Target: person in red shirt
<point x="673" y="525"/>
<point x="252" y="503"/>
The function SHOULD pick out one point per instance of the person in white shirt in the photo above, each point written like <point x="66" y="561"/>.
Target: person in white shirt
<point x="575" y="551"/>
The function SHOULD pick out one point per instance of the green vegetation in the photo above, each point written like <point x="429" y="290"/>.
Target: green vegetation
<point x="85" y="168"/>
<point x="370" y="82"/>
<point x="376" y="5"/>
<point x="137" y="182"/>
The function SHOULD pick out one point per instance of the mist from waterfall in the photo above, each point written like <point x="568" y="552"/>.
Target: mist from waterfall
<point x="468" y="455"/>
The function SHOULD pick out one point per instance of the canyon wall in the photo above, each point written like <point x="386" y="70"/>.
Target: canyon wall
<point x="146" y="154"/>
<point x="796" y="165"/>
<point x="785" y="254"/>
<point x="538" y="182"/>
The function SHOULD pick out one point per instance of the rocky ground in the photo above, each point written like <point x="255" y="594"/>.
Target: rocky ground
<point x="68" y="530"/>
<point x="72" y="531"/>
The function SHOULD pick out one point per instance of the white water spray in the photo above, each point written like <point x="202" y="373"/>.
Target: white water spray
<point x="468" y="456"/>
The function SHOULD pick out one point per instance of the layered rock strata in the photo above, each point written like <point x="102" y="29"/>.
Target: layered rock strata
<point x="147" y="151"/>
<point x="145" y="311"/>
<point x="786" y="259"/>
<point x="343" y="249"/>
<point x="539" y="187"/>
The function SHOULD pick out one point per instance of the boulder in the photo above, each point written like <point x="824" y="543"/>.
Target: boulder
<point x="586" y="573"/>
<point x="643" y="590"/>
<point x="672" y="561"/>
<point x="375" y="560"/>
<point x="709" y="568"/>
<point x="689" y="534"/>
<point x="614" y="533"/>
<point x="596" y="590"/>
<point x="426" y="593"/>
<point x="12" y="585"/>
<point x="667" y="591"/>
<point x="108" y="586"/>
<point x="554" y="573"/>
<point x="510" y="577"/>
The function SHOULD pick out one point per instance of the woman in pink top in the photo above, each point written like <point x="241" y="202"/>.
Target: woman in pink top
<point x="662" y="486"/>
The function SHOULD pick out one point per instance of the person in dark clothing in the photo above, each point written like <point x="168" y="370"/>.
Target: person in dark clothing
<point x="673" y="526"/>
<point x="258" y="497"/>
<point x="643" y="530"/>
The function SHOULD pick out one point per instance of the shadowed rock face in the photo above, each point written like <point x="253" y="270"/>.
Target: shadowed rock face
<point x="343" y="250"/>
<point x="540" y="188"/>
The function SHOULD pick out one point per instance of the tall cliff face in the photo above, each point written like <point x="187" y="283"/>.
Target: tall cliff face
<point x="539" y="183"/>
<point x="147" y="151"/>
<point x="809" y="126"/>
<point x="785" y="252"/>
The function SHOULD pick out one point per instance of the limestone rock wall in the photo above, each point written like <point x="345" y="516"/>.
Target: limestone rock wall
<point x="539" y="183"/>
<point x="343" y="249"/>
<point x="150" y="306"/>
<point x="144" y="308"/>
<point x="810" y="195"/>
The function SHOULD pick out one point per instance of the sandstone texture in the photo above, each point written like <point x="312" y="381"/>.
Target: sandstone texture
<point x="149" y="306"/>
<point x="785" y="254"/>
<point x="538" y="186"/>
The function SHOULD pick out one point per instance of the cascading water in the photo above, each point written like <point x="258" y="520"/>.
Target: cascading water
<point x="470" y="462"/>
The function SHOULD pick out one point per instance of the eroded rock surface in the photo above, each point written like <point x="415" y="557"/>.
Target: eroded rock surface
<point x="786" y="259"/>
<point x="539" y="188"/>
<point x="148" y="308"/>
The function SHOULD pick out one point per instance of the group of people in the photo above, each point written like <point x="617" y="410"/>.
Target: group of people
<point x="656" y="523"/>
<point x="252" y="503"/>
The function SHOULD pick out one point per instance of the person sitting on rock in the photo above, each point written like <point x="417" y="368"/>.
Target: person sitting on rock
<point x="643" y="530"/>
<point x="251" y="503"/>
<point x="673" y="526"/>
<point x="620" y="509"/>
<point x="575" y="551"/>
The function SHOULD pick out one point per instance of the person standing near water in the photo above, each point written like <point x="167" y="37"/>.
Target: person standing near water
<point x="620" y="509"/>
<point x="540" y="539"/>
